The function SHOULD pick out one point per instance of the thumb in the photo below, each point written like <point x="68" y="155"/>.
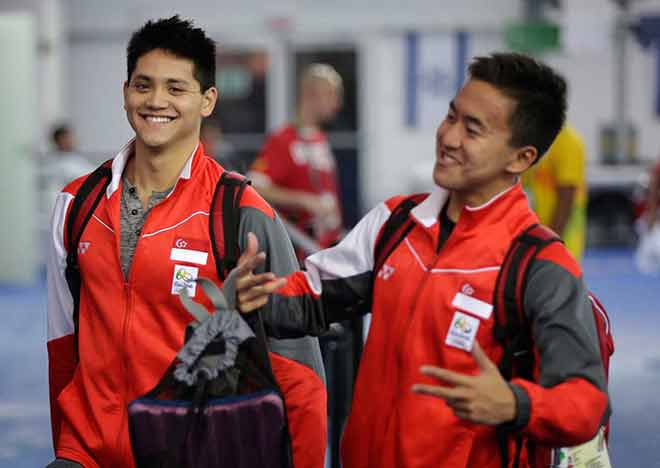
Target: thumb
<point x="251" y="249"/>
<point x="484" y="362"/>
<point x="252" y="244"/>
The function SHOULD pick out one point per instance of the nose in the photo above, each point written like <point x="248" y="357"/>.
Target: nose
<point x="157" y="98"/>
<point x="449" y="134"/>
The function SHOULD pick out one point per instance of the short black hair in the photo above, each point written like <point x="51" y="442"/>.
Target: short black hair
<point x="59" y="131"/>
<point x="180" y="38"/>
<point x="539" y="93"/>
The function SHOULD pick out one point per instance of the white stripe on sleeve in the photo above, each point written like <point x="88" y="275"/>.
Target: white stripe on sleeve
<point x="353" y="255"/>
<point x="60" y="302"/>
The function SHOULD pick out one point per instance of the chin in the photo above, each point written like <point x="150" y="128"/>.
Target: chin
<point x="442" y="181"/>
<point x="153" y="143"/>
<point x="438" y="178"/>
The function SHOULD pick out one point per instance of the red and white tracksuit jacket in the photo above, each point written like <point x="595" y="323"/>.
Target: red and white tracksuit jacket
<point x="131" y="329"/>
<point x="417" y="297"/>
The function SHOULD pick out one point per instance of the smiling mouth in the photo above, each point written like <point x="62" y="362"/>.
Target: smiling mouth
<point x="445" y="157"/>
<point x="157" y="119"/>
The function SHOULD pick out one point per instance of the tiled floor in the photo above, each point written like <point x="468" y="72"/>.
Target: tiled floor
<point x="633" y="301"/>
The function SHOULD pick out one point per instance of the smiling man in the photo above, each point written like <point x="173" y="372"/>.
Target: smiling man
<point x="148" y="238"/>
<point x="428" y="391"/>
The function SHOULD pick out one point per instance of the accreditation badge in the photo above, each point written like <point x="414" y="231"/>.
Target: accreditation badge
<point x="592" y="454"/>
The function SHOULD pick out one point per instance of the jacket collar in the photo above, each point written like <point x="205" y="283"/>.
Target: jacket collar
<point x="121" y="159"/>
<point x="428" y="211"/>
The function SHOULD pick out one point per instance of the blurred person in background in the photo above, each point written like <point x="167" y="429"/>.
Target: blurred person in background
<point x="130" y="320"/>
<point x="216" y="146"/>
<point x="210" y="135"/>
<point x="63" y="139"/>
<point x="647" y="254"/>
<point x="429" y="391"/>
<point x="649" y="209"/>
<point x="296" y="170"/>
<point x="62" y="164"/>
<point x="558" y="189"/>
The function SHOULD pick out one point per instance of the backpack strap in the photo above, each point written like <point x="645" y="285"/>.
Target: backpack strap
<point x="395" y="229"/>
<point x="512" y="329"/>
<point x="85" y="202"/>
<point x="224" y="220"/>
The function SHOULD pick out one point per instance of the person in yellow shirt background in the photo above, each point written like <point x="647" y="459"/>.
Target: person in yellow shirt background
<point x="558" y="190"/>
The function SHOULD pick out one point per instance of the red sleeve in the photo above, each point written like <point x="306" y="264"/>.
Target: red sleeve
<point x="61" y="367"/>
<point x="297" y="284"/>
<point x="274" y="160"/>
<point x="565" y="415"/>
<point x="305" y="399"/>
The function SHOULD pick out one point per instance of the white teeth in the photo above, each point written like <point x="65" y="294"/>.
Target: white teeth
<point x="155" y="119"/>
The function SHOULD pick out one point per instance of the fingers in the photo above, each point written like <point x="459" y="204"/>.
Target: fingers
<point x="251" y="306"/>
<point x="455" y="398"/>
<point x="484" y="362"/>
<point x="445" y="375"/>
<point x="256" y="296"/>
<point x="252" y="243"/>
<point x="251" y="249"/>
<point x="248" y="263"/>
<point x="446" y="393"/>
<point x="248" y="281"/>
<point x="265" y="288"/>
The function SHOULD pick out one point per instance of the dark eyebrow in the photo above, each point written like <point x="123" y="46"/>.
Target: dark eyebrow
<point x="475" y="121"/>
<point x="470" y="119"/>
<point x="174" y="81"/>
<point x="169" y="81"/>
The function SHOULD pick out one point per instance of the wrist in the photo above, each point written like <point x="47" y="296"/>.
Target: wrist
<point x="522" y="409"/>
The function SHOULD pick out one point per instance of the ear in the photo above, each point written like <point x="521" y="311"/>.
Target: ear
<point x="522" y="159"/>
<point x="209" y="98"/>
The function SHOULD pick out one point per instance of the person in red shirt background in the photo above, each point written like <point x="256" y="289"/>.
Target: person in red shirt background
<point x="296" y="170"/>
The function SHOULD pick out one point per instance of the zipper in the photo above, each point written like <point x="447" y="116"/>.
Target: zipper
<point x="407" y="327"/>
<point x="124" y="339"/>
<point x="124" y="363"/>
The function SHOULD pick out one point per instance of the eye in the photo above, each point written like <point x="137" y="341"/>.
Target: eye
<point x="176" y="91"/>
<point x="141" y="87"/>
<point x="472" y="131"/>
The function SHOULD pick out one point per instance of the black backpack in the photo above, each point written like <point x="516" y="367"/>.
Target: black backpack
<point x="217" y="404"/>
<point x="256" y="383"/>
<point x="512" y="329"/>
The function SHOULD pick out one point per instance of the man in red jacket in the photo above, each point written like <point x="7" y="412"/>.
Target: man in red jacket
<point x="428" y="391"/>
<point x="132" y="255"/>
<point x="296" y="171"/>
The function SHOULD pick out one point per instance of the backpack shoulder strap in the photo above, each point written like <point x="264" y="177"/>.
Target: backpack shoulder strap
<point x="510" y="323"/>
<point x="512" y="329"/>
<point x="85" y="202"/>
<point x="395" y="229"/>
<point x="224" y="220"/>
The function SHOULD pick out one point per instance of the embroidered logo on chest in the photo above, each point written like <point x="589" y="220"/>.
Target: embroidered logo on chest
<point x="385" y="272"/>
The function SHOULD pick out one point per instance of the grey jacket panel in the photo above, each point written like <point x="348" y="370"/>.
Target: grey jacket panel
<point x="280" y="260"/>
<point x="62" y="463"/>
<point x="564" y="333"/>
<point x="563" y="326"/>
